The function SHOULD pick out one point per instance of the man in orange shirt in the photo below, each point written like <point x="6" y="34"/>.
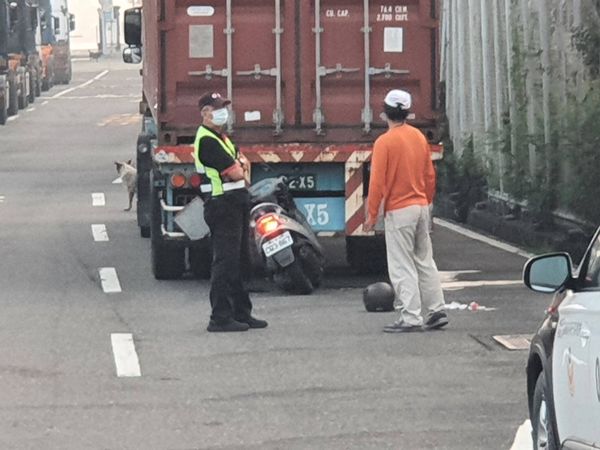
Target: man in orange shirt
<point x="403" y="180"/>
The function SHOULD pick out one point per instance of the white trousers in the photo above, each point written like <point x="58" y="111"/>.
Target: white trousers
<point x="411" y="267"/>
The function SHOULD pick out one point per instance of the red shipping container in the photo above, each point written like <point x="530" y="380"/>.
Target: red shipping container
<point x="297" y="71"/>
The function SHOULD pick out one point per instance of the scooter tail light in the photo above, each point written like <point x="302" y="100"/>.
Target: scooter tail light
<point x="178" y="180"/>
<point x="267" y="224"/>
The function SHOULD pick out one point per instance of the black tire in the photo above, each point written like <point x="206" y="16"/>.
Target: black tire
<point x="3" y="110"/>
<point x="32" y="84"/>
<point x="13" y="101"/>
<point x="312" y="264"/>
<point x="366" y="255"/>
<point x="201" y="259"/>
<point x="23" y="99"/>
<point x="544" y="432"/>
<point x="38" y="86"/>
<point x="293" y="280"/>
<point x="145" y="232"/>
<point x="168" y="260"/>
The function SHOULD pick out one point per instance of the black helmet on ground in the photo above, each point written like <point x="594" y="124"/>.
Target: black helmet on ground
<point x="379" y="297"/>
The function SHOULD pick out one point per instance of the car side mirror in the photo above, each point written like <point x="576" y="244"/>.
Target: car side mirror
<point x="132" y="55"/>
<point x="72" y="23"/>
<point x="548" y="273"/>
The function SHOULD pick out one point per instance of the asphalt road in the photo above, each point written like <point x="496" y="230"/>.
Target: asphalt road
<point x="321" y="376"/>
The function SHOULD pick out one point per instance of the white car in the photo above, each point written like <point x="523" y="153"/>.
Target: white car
<point x="563" y="369"/>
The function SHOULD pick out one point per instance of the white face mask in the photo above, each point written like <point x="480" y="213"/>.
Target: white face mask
<point x="220" y="116"/>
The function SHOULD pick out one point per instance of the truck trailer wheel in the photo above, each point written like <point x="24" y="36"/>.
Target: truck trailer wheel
<point x="366" y="255"/>
<point x="167" y="258"/>
<point x="201" y="259"/>
<point x="3" y="109"/>
<point x="13" y="104"/>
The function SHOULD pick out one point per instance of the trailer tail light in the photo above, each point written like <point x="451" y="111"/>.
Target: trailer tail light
<point x="267" y="224"/>
<point x="195" y="180"/>
<point x="178" y="180"/>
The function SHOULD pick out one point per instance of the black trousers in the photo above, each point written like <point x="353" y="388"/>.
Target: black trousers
<point x="227" y="216"/>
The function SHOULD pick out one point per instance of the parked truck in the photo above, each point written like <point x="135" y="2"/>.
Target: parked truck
<point x="5" y="86"/>
<point x="307" y="81"/>
<point x="63" y="24"/>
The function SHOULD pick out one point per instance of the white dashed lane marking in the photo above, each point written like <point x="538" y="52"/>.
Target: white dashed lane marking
<point x="126" y="359"/>
<point x="523" y="437"/>
<point x="30" y="109"/>
<point x="109" y="280"/>
<point x="11" y="118"/>
<point x="2" y="198"/>
<point x="98" y="199"/>
<point x="87" y="83"/>
<point x="99" y="232"/>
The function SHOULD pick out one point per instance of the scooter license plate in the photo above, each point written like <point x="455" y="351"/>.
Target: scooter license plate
<point x="277" y="244"/>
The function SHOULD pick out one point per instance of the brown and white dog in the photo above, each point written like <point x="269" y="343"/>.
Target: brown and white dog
<point x="128" y="174"/>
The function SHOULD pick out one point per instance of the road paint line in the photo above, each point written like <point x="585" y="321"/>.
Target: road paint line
<point x="455" y="285"/>
<point x="98" y="199"/>
<point x="30" y="109"/>
<point x="480" y="237"/>
<point x="2" y="198"/>
<point x="127" y="362"/>
<point x="87" y="83"/>
<point x="109" y="280"/>
<point x="99" y="96"/>
<point x="523" y="437"/>
<point x="99" y="232"/>
<point x="11" y="118"/>
<point x="118" y="180"/>
<point x="44" y="103"/>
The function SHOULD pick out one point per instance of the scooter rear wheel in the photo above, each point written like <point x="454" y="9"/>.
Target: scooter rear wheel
<point x="293" y="280"/>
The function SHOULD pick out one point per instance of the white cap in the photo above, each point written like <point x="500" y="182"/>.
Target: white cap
<point x="396" y="98"/>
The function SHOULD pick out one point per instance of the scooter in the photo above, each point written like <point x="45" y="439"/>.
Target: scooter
<point x="291" y="253"/>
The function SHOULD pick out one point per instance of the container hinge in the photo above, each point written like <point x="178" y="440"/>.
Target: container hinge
<point x="258" y="72"/>
<point x="338" y="69"/>
<point x="278" y="121"/>
<point x="387" y="70"/>
<point x="209" y="72"/>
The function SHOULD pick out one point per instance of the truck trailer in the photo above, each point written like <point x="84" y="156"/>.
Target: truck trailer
<point x="307" y="81"/>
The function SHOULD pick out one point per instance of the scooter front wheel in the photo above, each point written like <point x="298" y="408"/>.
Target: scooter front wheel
<point x="292" y="279"/>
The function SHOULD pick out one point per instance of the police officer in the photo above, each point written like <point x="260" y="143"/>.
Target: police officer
<point x="227" y="215"/>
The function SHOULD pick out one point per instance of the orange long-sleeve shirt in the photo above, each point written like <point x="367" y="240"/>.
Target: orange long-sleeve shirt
<point x="402" y="173"/>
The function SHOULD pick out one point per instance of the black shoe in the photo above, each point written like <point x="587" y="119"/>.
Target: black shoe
<point x="231" y="326"/>
<point x="401" y="327"/>
<point x="436" y="320"/>
<point x="253" y="322"/>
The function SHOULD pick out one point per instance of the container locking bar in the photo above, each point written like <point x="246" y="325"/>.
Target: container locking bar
<point x="209" y="72"/>
<point x="318" y="112"/>
<point x="387" y="70"/>
<point x="367" y="112"/>
<point x="338" y="69"/>
<point x="258" y="72"/>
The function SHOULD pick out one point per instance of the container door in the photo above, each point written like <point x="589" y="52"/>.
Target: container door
<point x="403" y="53"/>
<point x="233" y="47"/>
<point x="364" y="48"/>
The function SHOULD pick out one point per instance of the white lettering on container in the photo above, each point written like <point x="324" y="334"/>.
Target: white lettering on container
<point x="337" y="13"/>
<point x="397" y="13"/>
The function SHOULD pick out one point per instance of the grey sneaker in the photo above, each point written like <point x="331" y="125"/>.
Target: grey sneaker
<point x="436" y="320"/>
<point x="401" y="327"/>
